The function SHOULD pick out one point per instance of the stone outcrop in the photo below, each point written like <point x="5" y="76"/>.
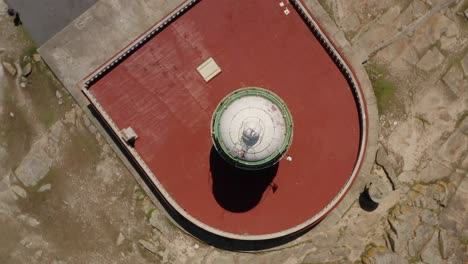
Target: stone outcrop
<point x="464" y="64"/>
<point x="455" y="81"/>
<point x="431" y="60"/>
<point x="27" y="69"/>
<point x="382" y="160"/>
<point x="10" y="68"/>
<point x="150" y="246"/>
<point x="35" y="165"/>
<point x="38" y="161"/>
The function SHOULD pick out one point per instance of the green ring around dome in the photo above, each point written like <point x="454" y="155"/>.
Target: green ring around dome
<point x="220" y="146"/>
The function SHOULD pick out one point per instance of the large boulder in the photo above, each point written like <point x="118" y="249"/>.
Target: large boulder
<point x="35" y="165"/>
<point x="455" y="81"/>
<point x="10" y="68"/>
<point x="27" y="69"/>
<point x="431" y="60"/>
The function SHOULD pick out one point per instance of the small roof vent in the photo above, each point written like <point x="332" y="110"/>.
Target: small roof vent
<point x="209" y="69"/>
<point x="129" y="136"/>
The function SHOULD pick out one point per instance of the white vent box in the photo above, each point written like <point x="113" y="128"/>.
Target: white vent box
<point x="209" y="69"/>
<point x="129" y="135"/>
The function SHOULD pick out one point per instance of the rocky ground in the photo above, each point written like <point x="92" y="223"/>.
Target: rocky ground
<point x="65" y="197"/>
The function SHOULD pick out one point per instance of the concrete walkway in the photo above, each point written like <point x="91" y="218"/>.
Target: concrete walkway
<point x="43" y="19"/>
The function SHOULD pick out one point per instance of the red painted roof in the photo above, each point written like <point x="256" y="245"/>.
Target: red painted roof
<point x="159" y="93"/>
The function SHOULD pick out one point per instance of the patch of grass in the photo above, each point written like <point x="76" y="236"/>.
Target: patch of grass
<point x="369" y="250"/>
<point x="461" y="118"/>
<point x="327" y="7"/>
<point x="140" y="194"/>
<point x="27" y="45"/>
<point x="52" y="176"/>
<point x="384" y="91"/>
<point x="42" y="84"/>
<point x="423" y="120"/>
<point x="36" y="202"/>
<point x="404" y="4"/>
<point x="16" y="133"/>
<point x="82" y="151"/>
<point x="370" y="245"/>
<point x="463" y="7"/>
<point x="415" y="259"/>
<point x="29" y="51"/>
<point x="464" y="240"/>
<point x="42" y="93"/>
<point x="384" y="88"/>
<point x="150" y="213"/>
